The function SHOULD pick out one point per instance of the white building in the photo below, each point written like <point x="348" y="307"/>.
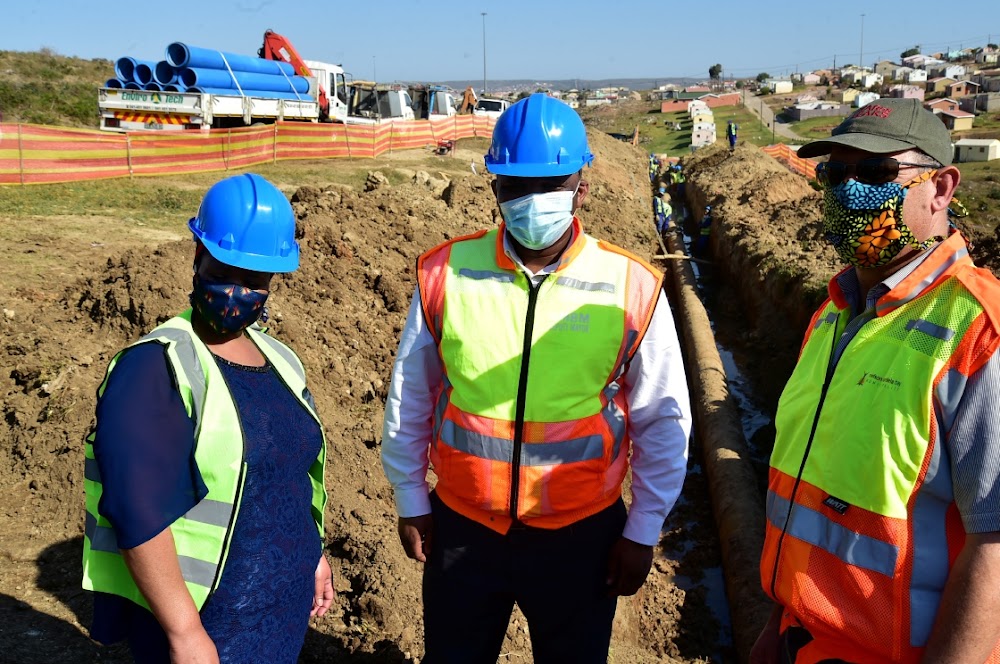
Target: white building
<point x="865" y="98"/>
<point x="977" y="149"/>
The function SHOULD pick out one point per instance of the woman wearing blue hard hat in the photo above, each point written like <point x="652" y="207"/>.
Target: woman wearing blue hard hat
<point x="204" y="472"/>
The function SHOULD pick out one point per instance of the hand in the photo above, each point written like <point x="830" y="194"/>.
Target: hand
<point x="193" y="646"/>
<point x="415" y="533"/>
<point x="325" y="593"/>
<point x="766" y="649"/>
<point x="628" y="566"/>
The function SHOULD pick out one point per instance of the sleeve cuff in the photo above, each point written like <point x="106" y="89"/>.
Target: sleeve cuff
<point x="413" y="502"/>
<point x="643" y="528"/>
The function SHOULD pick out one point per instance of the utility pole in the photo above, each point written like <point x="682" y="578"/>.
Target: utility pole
<point x="861" y="57"/>
<point x="484" y="52"/>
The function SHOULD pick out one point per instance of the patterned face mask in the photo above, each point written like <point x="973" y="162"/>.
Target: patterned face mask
<point x="227" y="308"/>
<point x="864" y="222"/>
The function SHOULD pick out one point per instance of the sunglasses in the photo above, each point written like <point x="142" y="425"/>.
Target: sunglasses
<point x="877" y="170"/>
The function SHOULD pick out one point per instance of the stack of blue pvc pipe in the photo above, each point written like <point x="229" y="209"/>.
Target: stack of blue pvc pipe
<point x="204" y="70"/>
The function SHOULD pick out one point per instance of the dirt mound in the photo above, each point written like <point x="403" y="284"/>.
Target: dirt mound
<point x="768" y="225"/>
<point x="342" y="311"/>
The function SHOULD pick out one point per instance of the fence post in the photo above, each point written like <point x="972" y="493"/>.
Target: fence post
<point x="347" y="139"/>
<point x="274" y="145"/>
<point x="20" y="154"/>
<point x="128" y="154"/>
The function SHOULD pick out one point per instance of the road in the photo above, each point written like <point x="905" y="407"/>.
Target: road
<point x="757" y="106"/>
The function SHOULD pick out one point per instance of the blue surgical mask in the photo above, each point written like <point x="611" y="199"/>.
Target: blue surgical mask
<point x="537" y="221"/>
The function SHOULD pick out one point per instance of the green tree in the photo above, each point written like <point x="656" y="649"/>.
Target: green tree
<point x="910" y="51"/>
<point x="763" y="76"/>
<point x="715" y="71"/>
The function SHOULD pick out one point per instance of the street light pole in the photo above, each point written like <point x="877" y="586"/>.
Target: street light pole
<point x="861" y="56"/>
<point x="484" y="53"/>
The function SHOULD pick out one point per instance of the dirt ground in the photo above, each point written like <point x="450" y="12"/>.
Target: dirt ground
<point x="342" y="311"/>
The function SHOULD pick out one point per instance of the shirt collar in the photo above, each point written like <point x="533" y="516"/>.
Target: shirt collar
<point x="906" y="283"/>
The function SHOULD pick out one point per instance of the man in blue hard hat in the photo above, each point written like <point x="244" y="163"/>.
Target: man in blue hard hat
<point x="534" y="359"/>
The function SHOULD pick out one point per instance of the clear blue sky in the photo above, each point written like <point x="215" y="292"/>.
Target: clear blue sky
<point x="532" y="39"/>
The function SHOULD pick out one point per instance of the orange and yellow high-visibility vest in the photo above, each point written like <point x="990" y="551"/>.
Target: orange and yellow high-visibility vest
<point x="531" y="422"/>
<point x="862" y="528"/>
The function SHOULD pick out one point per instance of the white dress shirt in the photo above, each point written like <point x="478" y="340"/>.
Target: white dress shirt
<point x="654" y="386"/>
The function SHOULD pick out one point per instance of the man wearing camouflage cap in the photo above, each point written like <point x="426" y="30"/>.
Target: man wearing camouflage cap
<point x="883" y="507"/>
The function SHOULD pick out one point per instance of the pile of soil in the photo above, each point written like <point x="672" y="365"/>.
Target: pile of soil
<point x="342" y="311"/>
<point x="768" y="226"/>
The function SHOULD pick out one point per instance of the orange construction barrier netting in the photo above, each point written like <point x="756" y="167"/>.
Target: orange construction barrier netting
<point x="36" y="154"/>
<point x="802" y="166"/>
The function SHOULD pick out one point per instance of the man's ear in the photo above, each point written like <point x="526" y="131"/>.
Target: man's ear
<point x="581" y="195"/>
<point x="945" y="184"/>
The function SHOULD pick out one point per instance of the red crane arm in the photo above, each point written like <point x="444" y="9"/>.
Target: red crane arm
<point x="279" y="48"/>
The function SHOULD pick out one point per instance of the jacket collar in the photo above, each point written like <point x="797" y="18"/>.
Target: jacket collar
<point x="942" y="261"/>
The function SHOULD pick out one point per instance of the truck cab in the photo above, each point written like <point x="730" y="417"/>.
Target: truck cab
<point x="433" y="101"/>
<point x="331" y="78"/>
<point x="491" y="108"/>
<point x="369" y="103"/>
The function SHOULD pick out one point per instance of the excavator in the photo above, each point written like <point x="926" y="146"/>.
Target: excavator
<point x="330" y="77"/>
<point x="469" y="101"/>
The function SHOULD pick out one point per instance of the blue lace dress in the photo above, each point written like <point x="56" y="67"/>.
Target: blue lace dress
<point x="144" y="446"/>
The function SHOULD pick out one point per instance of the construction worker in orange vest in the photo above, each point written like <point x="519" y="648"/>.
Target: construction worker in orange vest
<point x="883" y="507"/>
<point x="534" y="358"/>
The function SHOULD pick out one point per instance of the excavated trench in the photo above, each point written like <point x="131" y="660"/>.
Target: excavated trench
<point x="741" y="314"/>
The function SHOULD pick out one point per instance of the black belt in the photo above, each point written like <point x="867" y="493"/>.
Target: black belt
<point x="793" y="640"/>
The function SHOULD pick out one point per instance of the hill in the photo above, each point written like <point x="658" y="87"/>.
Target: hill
<point x="46" y="88"/>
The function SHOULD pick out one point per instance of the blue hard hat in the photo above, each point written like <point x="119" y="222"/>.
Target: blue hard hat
<point x="708" y="208"/>
<point x="245" y="221"/>
<point x="538" y="137"/>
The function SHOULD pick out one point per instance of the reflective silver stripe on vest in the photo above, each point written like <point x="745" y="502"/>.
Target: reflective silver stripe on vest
<point x="190" y="365"/>
<point x="831" y="318"/>
<point x="601" y="286"/>
<point x="930" y="329"/>
<point x="481" y="275"/>
<point x="91" y="471"/>
<point x="440" y="408"/>
<point x="566" y="451"/>
<point x="196" y="571"/>
<point x="615" y="418"/>
<point x="102" y="538"/>
<point x="494" y="448"/>
<point x="853" y="548"/>
<point x="212" y="512"/>
<point x="285" y="354"/>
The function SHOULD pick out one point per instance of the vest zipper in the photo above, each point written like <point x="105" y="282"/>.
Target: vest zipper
<point x="522" y="396"/>
<point x="834" y="357"/>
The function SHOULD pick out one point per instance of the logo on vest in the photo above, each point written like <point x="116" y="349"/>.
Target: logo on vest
<point x="836" y="504"/>
<point x="879" y="381"/>
<point x="573" y="323"/>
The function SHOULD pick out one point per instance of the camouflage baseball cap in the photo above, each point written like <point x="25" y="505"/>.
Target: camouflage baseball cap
<point x="888" y="125"/>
